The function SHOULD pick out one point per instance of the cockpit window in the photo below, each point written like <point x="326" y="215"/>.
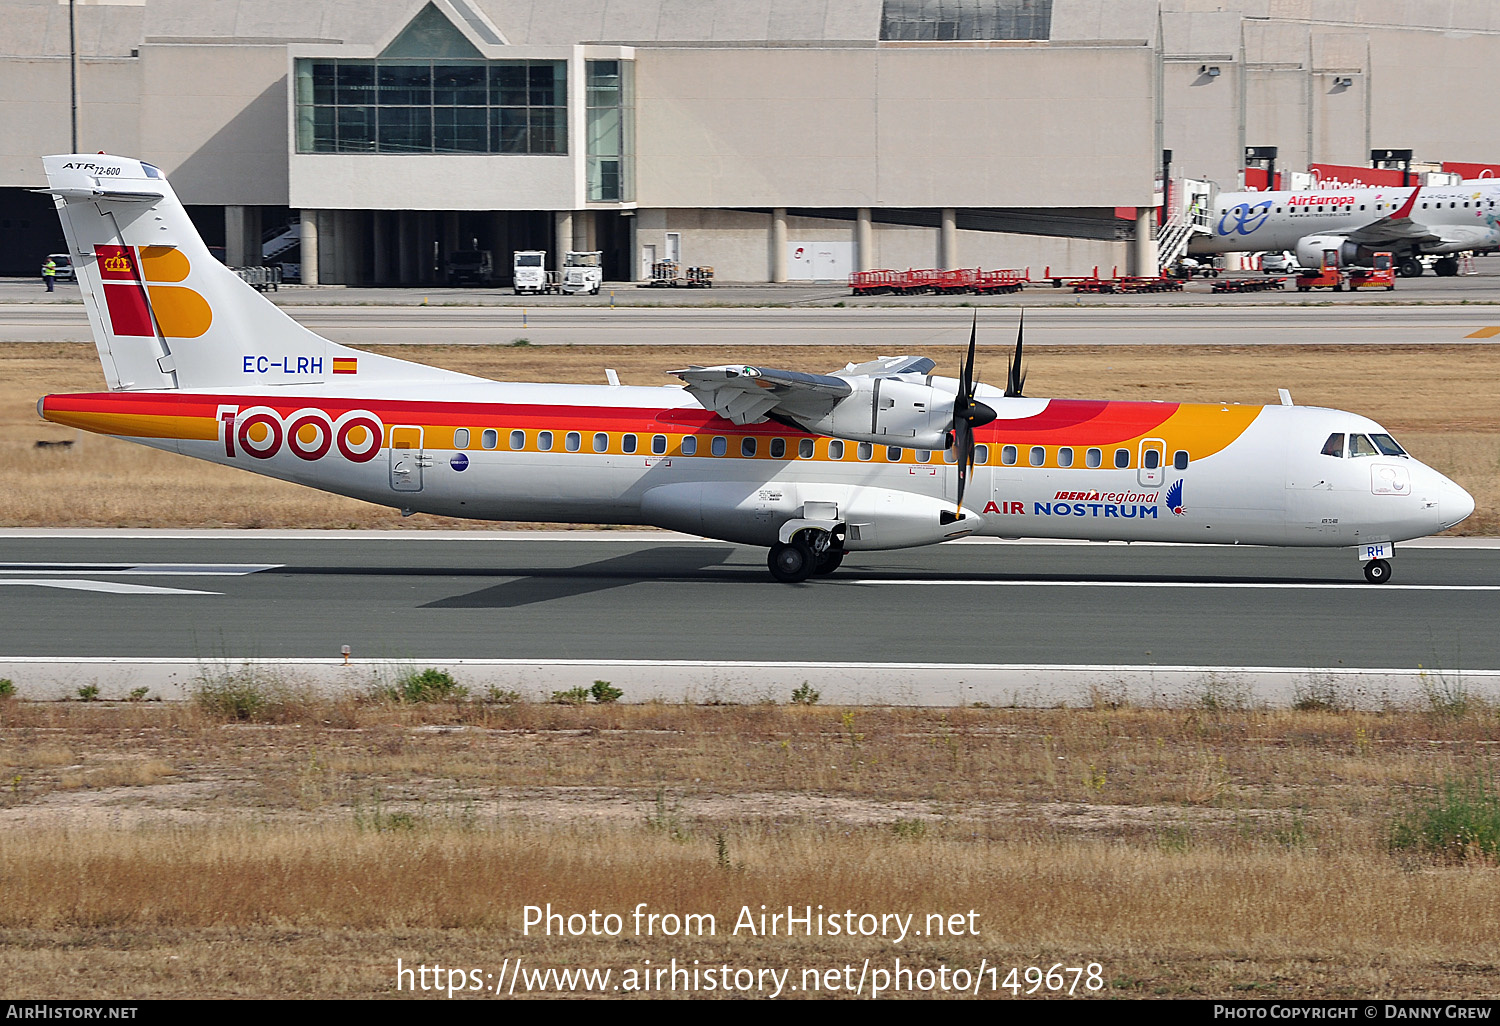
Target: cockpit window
<point x="1387" y="445"/>
<point x="1335" y="444"/>
<point x="1359" y="445"/>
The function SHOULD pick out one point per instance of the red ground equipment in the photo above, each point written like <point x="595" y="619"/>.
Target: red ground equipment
<point x="1381" y="276"/>
<point x="1329" y="276"/>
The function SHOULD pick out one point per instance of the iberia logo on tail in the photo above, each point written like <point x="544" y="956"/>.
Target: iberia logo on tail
<point x="178" y="311"/>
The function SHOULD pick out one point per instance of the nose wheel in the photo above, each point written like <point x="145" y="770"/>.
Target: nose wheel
<point x="1378" y="571"/>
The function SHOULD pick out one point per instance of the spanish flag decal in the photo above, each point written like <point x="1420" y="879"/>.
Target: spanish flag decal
<point x="346" y="365"/>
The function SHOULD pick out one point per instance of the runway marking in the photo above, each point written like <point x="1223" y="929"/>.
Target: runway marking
<point x="1289" y="586"/>
<point x="110" y="587"/>
<point x="1484" y="333"/>
<point x="144" y="569"/>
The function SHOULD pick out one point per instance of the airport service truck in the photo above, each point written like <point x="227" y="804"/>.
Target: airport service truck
<point x="583" y="273"/>
<point x="530" y="272"/>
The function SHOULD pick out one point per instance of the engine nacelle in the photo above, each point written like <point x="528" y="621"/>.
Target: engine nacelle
<point x="890" y="411"/>
<point x="1310" y="249"/>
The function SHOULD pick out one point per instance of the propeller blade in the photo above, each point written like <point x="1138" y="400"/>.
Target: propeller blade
<point x="1016" y="379"/>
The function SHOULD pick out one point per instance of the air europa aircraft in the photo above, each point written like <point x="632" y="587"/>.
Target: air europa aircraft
<point x="879" y="455"/>
<point x="1356" y="223"/>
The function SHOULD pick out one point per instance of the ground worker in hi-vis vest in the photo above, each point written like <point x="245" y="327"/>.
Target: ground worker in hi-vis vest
<point x="49" y="273"/>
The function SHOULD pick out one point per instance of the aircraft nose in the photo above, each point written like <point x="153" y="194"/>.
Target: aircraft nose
<point x="1454" y="504"/>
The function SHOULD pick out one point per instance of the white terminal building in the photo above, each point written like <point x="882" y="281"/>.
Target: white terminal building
<point x="771" y="139"/>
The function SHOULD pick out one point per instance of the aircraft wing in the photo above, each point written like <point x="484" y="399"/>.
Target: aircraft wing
<point x="750" y="395"/>
<point x="1397" y="227"/>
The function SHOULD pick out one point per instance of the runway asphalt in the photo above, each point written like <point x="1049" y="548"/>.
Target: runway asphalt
<point x="600" y="600"/>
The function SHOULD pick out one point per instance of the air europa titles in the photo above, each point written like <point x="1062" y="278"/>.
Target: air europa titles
<point x="1124" y="505"/>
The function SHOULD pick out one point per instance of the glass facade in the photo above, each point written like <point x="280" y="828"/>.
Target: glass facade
<point x="431" y="106"/>
<point x="610" y="131"/>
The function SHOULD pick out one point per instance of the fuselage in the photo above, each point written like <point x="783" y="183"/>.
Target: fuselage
<point x="1059" y="468"/>
<point x="1462" y="216"/>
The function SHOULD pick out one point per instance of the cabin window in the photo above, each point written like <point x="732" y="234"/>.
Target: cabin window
<point x="1151" y="459"/>
<point x="1008" y="455"/>
<point x="805" y="448"/>
<point x="689" y="445"/>
<point x="950" y="455"/>
<point x="719" y="446"/>
<point x="1361" y="206"/>
<point x="1180" y="459"/>
<point x="747" y="447"/>
<point x="1335" y="445"/>
<point x="1065" y="457"/>
<point x="1093" y="458"/>
<point x="1387" y="445"/>
<point x="573" y="442"/>
<point x="490" y="439"/>
<point x="601" y="442"/>
<point x="1038" y="455"/>
<point x="518" y="439"/>
<point x="836" y="449"/>
<point x="924" y="455"/>
<point x="461" y="438"/>
<point x="628" y="443"/>
<point x="1122" y="458"/>
<point x="893" y="454"/>
<point x="658" y="444"/>
<point x="778" y="448"/>
<point x="866" y="450"/>
<point x="1359" y="445"/>
<point x="544" y="441"/>
<point x="981" y="454"/>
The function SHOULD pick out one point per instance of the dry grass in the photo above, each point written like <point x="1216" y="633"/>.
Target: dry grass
<point x="1437" y="400"/>
<point x="1190" y="851"/>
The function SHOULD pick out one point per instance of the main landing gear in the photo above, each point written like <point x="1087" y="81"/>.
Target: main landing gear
<point x="1378" y="571"/>
<point x="809" y="553"/>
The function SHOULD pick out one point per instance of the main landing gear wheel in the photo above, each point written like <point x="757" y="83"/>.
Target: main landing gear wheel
<point x="1378" y="571"/>
<point x="791" y="564"/>
<point x="829" y="561"/>
<point x="1409" y="267"/>
<point x="1446" y="267"/>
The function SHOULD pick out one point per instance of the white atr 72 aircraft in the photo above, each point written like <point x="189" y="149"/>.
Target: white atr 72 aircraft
<point x="1405" y="222"/>
<point x="882" y="455"/>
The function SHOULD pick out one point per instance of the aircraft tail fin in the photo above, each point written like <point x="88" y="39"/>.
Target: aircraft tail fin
<point x="165" y="313"/>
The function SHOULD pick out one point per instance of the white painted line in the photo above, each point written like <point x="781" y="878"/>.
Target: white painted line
<point x="144" y="569"/>
<point x="112" y="587"/>
<point x="1248" y="585"/>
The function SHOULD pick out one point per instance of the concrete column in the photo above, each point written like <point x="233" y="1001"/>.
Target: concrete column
<point x="948" y="240"/>
<point x="309" y="220"/>
<point x="1143" y="248"/>
<point x="235" y="247"/>
<point x="427" y="237"/>
<point x="778" y="244"/>
<point x="380" y="247"/>
<point x="451" y="241"/>
<point x="564" y="236"/>
<point x="406" y="248"/>
<point x="864" y="250"/>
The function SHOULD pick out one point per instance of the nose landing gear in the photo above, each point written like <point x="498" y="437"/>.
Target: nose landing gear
<point x="1378" y="571"/>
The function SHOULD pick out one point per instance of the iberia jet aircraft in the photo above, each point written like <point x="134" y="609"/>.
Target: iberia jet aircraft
<point x="1357" y="223"/>
<point x="882" y="455"/>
